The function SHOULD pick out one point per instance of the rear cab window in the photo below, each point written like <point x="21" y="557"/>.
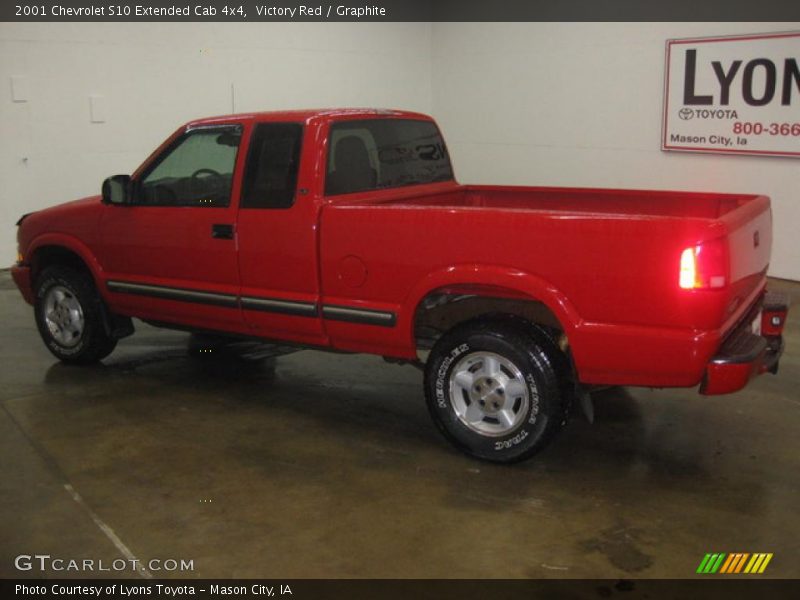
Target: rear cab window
<point x="373" y="154"/>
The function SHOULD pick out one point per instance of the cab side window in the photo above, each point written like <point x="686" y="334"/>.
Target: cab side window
<point x="270" y="177"/>
<point x="197" y="170"/>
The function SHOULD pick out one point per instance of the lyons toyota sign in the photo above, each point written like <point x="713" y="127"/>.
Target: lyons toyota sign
<point x="733" y="95"/>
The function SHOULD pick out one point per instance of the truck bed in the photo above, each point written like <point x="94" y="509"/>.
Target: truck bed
<point x="609" y="261"/>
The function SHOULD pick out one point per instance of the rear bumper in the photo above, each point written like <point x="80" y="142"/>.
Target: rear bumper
<point x="746" y="353"/>
<point x="21" y="274"/>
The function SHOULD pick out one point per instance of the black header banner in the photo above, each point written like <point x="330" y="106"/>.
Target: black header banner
<point x="730" y="588"/>
<point x="398" y="10"/>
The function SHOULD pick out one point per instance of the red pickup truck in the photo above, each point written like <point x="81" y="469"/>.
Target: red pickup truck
<point x="346" y="230"/>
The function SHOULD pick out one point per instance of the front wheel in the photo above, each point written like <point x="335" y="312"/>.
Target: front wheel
<point x="69" y="316"/>
<point x="492" y="389"/>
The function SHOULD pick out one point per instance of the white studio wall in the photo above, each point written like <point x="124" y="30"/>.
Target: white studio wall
<point x="572" y="104"/>
<point x="580" y="104"/>
<point x="80" y="102"/>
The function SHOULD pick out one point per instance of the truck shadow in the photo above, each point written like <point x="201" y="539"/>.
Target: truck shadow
<point x="375" y="414"/>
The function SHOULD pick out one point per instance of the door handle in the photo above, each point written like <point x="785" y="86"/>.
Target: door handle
<point x="221" y="231"/>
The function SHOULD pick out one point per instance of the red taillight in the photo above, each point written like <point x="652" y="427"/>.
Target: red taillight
<point x="703" y="266"/>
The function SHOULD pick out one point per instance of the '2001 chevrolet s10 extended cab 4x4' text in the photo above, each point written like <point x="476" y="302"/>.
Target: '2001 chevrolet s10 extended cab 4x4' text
<point x="346" y="230"/>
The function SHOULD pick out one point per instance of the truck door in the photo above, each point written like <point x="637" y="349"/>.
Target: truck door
<point x="277" y="232"/>
<point x="170" y="255"/>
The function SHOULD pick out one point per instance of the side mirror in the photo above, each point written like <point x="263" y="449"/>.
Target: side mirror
<point x="117" y="189"/>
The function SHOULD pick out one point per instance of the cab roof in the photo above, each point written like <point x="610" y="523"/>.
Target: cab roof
<point x="306" y="115"/>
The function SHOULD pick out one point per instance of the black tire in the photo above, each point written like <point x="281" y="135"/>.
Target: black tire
<point x="93" y="343"/>
<point x="524" y="353"/>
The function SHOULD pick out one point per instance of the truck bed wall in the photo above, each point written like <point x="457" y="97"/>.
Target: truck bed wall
<point x="635" y="203"/>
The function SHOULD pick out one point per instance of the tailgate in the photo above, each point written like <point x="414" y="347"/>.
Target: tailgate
<point x="749" y="247"/>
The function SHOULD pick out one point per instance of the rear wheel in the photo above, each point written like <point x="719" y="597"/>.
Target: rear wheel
<point x="69" y="316"/>
<point x="492" y="388"/>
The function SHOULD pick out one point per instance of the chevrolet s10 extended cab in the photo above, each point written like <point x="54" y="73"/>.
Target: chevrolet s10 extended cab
<point x="346" y="230"/>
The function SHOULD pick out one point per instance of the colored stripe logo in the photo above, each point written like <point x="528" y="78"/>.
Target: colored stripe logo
<point x="734" y="563"/>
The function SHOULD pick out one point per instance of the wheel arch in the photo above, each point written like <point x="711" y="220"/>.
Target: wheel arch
<point x="480" y="290"/>
<point x="52" y="249"/>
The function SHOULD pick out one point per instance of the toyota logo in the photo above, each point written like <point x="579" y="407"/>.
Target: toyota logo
<point x="686" y="113"/>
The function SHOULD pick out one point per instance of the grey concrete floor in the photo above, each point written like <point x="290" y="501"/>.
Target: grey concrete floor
<point x="332" y="468"/>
